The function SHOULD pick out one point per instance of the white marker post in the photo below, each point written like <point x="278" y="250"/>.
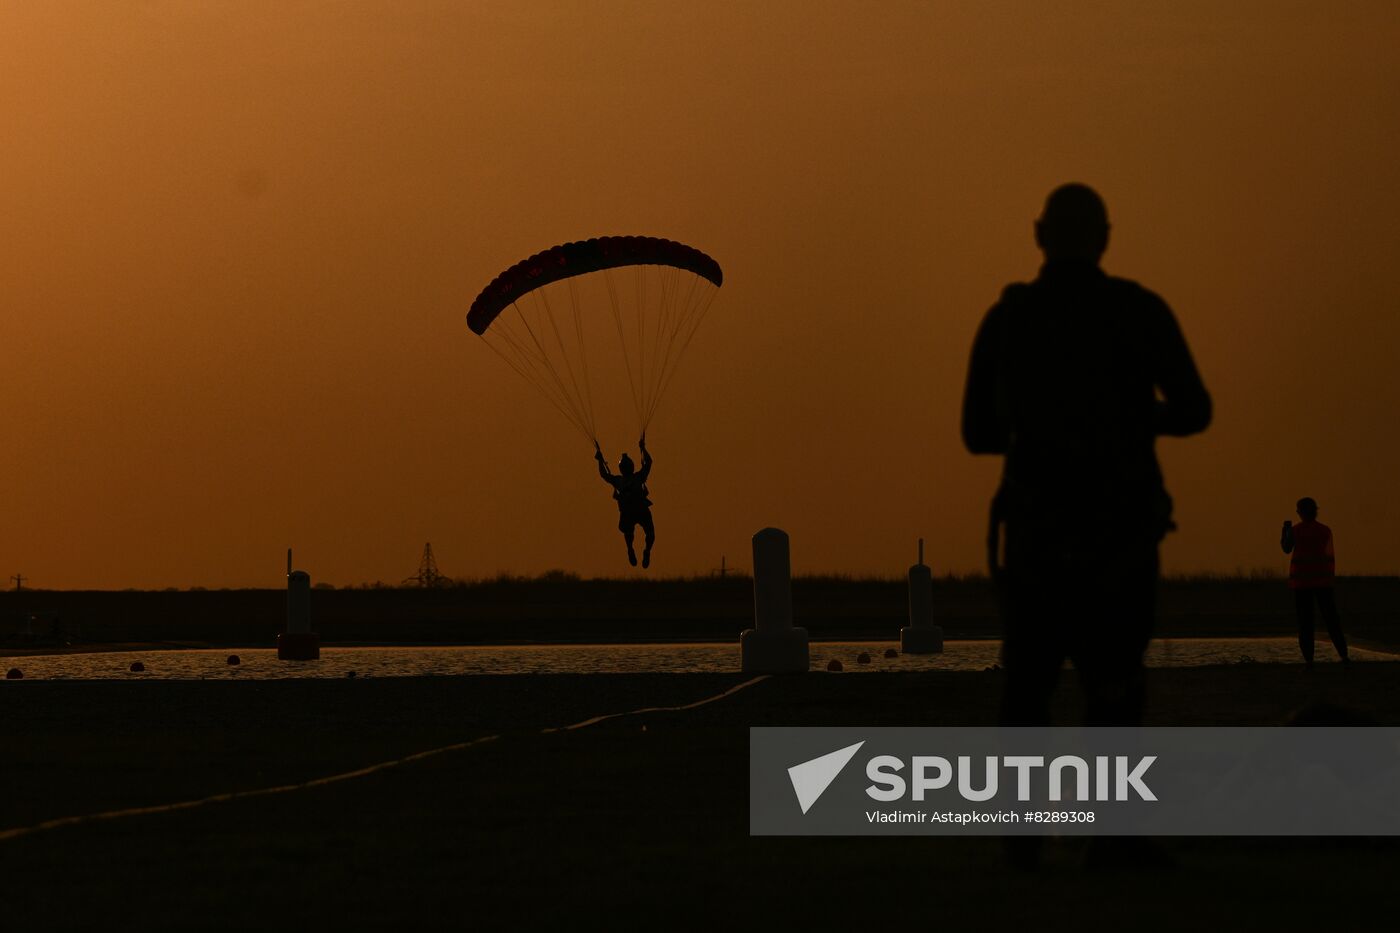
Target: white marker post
<point x="298" y="643"/>
<point x="773" y="645"/>
<point x="921" y="636"/>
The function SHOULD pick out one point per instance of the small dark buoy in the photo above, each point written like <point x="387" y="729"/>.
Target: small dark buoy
<point x="137" y="667"/>
<point x="863" y="658"/>
<point x="353" y="674"/>
<point x="14" y="673"/>
<point x="891" y="653"/>
<point x="234" y="660"/>
<point x="834" y="665"/>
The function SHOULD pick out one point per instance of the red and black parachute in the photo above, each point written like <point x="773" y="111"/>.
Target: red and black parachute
<point x="630" y="303"/>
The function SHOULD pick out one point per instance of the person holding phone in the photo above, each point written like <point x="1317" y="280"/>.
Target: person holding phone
<point x="1312" y="571"/>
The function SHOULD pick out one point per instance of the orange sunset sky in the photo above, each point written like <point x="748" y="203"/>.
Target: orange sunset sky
<point x="238" y="241"/>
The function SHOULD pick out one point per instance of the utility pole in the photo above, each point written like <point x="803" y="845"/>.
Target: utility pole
<point x="427" y="575"/>
<point x="18" y="580"/>
<point x="723" y="570"/>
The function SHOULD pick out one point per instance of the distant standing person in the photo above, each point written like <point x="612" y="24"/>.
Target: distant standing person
<point x="1312" y="573"/>
<point x="1073" y="377"/>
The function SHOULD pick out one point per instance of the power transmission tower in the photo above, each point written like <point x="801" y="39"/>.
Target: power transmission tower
<point x="427" y="571"/>
<point x="18" y="580"/>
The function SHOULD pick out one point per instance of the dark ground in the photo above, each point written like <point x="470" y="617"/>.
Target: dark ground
<point x="639" y="821"/>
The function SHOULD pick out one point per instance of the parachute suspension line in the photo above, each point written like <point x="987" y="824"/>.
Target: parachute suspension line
<point x="663" y="307"/>
<point x="667" y="283"/>
<point x="674" y="316"/>
<point x="564" y="354"/>
<point x="691" y="321"/>
<point x="546" y="373"/>
<point x="540" y="372"/>
<point x="640" y="281"/>
<point x="703" y="308"/>
<point x="568" y="416"/>
<point x="528" y="362"/>
<point x="678" y="314"/>
<point x="548" y="364"/>
<point x="525" y="364"/>
<point x="582" y="347"/>
<point x="622" y="339"/>
<point x="530" y="335"/>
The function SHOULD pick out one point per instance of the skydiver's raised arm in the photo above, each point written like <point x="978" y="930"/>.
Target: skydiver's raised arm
<point x="603" y="470"/>
<point x="646" y="460"/>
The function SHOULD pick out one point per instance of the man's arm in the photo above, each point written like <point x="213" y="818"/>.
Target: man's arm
<point x="986" y="421"/>
<point x="646" y="461"/>
<point x="603" y="470"/>
<point x="1286" y="542"/>
<point x="1185" y="406"/>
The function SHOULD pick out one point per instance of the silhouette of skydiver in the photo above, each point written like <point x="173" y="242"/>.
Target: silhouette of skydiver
<point x="1312" y="576"/>
<point x="1064" y="381"/>
<point x="630" y="490"/>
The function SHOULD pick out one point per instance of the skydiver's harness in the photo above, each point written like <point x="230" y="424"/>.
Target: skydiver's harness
<point x="631" y="495"/>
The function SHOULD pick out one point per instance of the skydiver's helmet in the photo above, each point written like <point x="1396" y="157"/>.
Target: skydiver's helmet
<point x="625" y="465"/>
<point x="1307" y="508"/>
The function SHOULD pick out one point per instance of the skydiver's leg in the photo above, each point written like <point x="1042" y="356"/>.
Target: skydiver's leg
<point x="1328" y="606"/>
<point x="1303" y="602"/>
<point x="650" y="530"/>
<point x="629" y="531"/>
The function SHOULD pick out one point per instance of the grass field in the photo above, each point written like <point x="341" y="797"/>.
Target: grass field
<point x="564" y="608"/>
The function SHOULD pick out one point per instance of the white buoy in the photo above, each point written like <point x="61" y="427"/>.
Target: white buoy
<point x="773" y="645"/>
<point x="921" y="636"/>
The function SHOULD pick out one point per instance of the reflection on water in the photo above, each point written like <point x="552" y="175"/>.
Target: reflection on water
<point x="262" y="663"/>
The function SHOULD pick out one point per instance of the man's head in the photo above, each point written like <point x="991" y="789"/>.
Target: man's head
<point x="1074" y="224"/>
<point x="1307" y="509"/>
<point x="625" y="466"/>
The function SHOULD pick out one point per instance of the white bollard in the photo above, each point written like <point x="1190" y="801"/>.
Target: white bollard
<point x="921" y="636"/>
<point x="298" y="602"/>
<point x="298" y="642"/>
<point x="773" y="645"/>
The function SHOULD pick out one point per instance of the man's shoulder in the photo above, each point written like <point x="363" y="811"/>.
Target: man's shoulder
<point x="1016" y="291"/>
<point x="1134" y="292"/>
<point x="1124" y="288"/>
<point x="1013" y="296"/>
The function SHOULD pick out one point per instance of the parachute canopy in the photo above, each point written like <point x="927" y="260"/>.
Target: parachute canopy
<point x="568" y="259"/>
<point x="631" y="304"/>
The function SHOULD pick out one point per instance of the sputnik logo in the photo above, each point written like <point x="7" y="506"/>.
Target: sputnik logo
<point x="811" y="778"/>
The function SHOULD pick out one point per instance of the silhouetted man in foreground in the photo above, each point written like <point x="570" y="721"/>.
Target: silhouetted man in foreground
<point x="633" y="506"/>
<point x="1312" y="575"/>
<point x="1064" y="381"/>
